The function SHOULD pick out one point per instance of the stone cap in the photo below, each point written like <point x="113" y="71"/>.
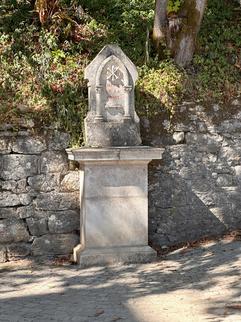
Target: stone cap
<point x="108" y="50"/>
<point x="140" y="153"/>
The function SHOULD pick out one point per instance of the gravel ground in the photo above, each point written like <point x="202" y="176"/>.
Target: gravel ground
<point x="197" y="284"/>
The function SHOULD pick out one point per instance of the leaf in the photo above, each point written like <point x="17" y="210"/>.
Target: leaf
<point x="116" y="318"/>
<point x="235" y="306"/>
<point x="99" y="312"/>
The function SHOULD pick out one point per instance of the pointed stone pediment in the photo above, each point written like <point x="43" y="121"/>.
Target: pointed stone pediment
<point x="111" y="120"/>
<point x="106" y="52"/>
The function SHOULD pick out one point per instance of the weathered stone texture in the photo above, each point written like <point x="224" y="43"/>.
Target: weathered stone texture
<point x="60" y="244"/>
<point x="58" y="140"/>
<point x="111" y="120"/>
<point x="28" y="145"/>
<point x="37" y="226"/>
<point x="44" y="182"/>
<point x="8" y="199"/>
<point x="195" y="191"/>
<point x="3" y="254"/>
<point x="52" y="161"/>
<point x="13" y="231"/>
<point x="70" y="182"/>
<point x="57" y="201"/>
<point x="64" y="222"/>
<point x="33" y="171"/>
<point x="16" y="167"/>
<point x="18" y="251"/>
<point x="16" y="212"/>
<point x="4" y="146"/>
<point x="19" y="186"/>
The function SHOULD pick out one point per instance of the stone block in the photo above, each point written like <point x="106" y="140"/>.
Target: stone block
<point x="25" y="212"/>
<point x="179" y="151"/>
<point x="122" y="181"/>
<point x="53" y="162"/>
<point x="114" y="256"/>
<point x="16" y="212"/>
<point x="231" y="155"/>
<point x="171" y="198"/>
<point x="105" y="134"/>
<point x="37" y="226"/>
<point x="3" y="254"/>
<point x="211" y="198"/>
<point x="225" y="180"/>
<point x="44" y="182"/>
<point x="183" y="224"/>
<point x="25" y="199"/>
<point x="57" y="140"/>
<point x="8" y="185"/>
<point x="8" y="199"/>
<point x="19" y="186"/>
<point x="5" y="147"/>
<point x="64" y="222"/>
<point x="224" y="214"/>
<point x="70" y="182"/>
<point x="140" y="153"/>
<point x="60" y="244"/>
<point x="203" y="139"/>
<point x="13" y="231"/>
<point x="237" y="171"/>
<point x="57" y="201"/>
<point x="178" y="137"/>
<point x="29" y="145"/>
<point x="116" y="221"/>
<point x="121" y="220"/>
<point x="16" y="167"/>
<point x="230" y="126"/>
<point x="186" y="173"/>
<point x="18" y="251"/>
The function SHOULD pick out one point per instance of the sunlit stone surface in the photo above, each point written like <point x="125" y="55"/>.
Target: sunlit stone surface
<point x="113" y="167"/>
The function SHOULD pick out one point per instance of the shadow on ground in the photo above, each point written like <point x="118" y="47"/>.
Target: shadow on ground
<point x="201" y="282"/>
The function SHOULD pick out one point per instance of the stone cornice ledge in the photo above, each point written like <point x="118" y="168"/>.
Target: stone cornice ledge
<point x="115" y="153"/>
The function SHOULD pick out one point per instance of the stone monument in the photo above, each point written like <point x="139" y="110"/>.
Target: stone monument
<point x="111" y="120"/>
<point x="113" y="167"/>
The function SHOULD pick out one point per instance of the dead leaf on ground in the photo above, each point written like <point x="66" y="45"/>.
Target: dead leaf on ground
<point x="235" y="306"/>
<point x="99" y="312"/>
<point x="116" y="318"/>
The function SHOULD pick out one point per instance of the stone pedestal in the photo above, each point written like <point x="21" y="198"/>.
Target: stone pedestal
<point x="114" y="204"/>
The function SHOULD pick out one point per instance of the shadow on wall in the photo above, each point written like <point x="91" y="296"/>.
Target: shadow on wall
<point x="195" y="190"/>
<point x="203" y="281"/>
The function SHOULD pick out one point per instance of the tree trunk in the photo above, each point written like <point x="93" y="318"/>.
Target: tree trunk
<point x="160" y="23"/>
<point x="183" y="46"/>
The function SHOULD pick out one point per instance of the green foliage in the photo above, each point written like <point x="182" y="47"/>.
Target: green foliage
<point x="126" y="23"/>
<point x="41" y="67"/>
<point x="218" y="60"/>
<point x="173" y="6"/>
<point x="162" y="85"/>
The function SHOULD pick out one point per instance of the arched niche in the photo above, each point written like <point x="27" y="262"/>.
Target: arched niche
<point x="114" y="89"/>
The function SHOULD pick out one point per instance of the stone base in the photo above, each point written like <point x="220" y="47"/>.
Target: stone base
<point x="115" y="255"/>
<point x="111" y="133"/>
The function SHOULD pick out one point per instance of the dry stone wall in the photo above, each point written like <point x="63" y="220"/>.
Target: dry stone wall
<point x="195" y="191"/>
<point x="39" y="197"/>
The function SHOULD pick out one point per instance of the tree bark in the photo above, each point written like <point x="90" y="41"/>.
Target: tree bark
<point x="183" y="45"/>
<point x="160" y="23"/>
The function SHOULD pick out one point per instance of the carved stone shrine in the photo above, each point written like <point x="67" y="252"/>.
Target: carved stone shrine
<point x="113" y="167"/>
<point x="111" y="120"/>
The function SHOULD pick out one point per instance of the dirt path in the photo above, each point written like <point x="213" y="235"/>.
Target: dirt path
<point x="200" y="284"/>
